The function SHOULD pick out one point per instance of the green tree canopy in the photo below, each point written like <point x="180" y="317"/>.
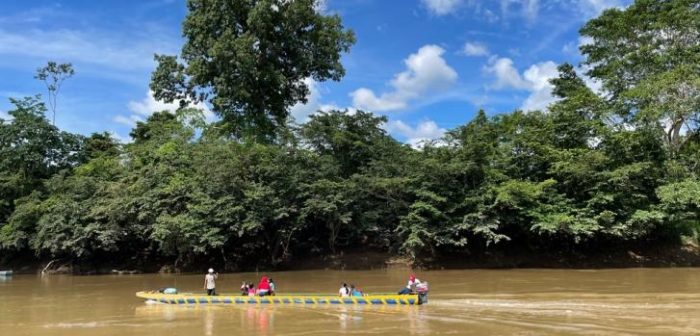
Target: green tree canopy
<point x="249" y="60"/>
<point x="648" y="58"/>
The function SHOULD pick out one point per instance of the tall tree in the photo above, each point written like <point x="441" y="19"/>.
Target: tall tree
<point x="249" y="60"/>
<point x="648" y="58"/>
<point x="31" y="151"/>
<point x="351" y="140"/>
<point x="53" y="75"/>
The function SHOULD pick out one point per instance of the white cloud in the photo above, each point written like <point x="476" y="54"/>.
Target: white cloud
<point x="148" y="105"/>
<point x="333" y="107"/>
<point x="4" y="116"/>
<point x="417" y="136"/>
<point x="442" y="7"/>
<point x="490" y="16"/>
<point x="427" y="72"/>
<point x="301" y="112"/>
<point x="365" y="98"/>
<point x="595" y="7"/>
<point x="584" y="40"/>
<point x="475" y="49"/>
<point x="321" y="6"/>
<point x="119" y="138"/>
<point x="528" y="8"/>
<point x="507" y="76"/>
<point x="126" y="54"/>
<point x="535" y="80"/>
<point x="128" y="121"/>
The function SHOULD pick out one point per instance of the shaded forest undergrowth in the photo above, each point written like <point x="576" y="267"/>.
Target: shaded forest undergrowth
<point x="658" y="255"/>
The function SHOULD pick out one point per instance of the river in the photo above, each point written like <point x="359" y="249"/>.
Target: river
<point x="464" y="302"/>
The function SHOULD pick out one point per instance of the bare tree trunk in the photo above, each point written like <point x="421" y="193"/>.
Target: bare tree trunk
<point x="48" y="266"/>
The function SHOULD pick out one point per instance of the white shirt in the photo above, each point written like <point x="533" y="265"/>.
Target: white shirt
<point x="412" y="283"/>
<point x="344" y="292"/>
<point x="210" y="280"/>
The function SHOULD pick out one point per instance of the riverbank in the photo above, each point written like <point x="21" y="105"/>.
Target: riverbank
<point x="686" y="255"/>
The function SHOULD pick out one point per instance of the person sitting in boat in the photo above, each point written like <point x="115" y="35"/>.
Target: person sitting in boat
<point x="244" y="288"/>
<point x="272" y="286"/>
<point x="344" y="291"/>
<point x="263" y="286"/>
<point x="251" y="289"/>
<point x="354" y="291"/>
<point x="210" y="282"/>
<point x="411" y="286"/>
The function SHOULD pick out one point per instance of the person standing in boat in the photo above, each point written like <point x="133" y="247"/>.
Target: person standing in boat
<point x="273" y="288"/>
<point x="411" y="286"/>
<point x="210" y="282"/>
<point x="264" y="286"/>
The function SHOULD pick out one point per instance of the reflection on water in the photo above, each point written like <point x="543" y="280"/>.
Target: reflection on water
<point x="477" y="302"/>
<point x="260" y="320"/>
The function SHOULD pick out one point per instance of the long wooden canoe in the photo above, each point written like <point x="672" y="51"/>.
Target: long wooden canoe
<point x="291" y="299"/>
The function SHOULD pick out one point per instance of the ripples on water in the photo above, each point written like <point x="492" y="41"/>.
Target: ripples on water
<point x="476" y="302"/>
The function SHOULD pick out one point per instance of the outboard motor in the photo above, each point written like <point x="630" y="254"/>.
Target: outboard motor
<point x="422" y="290"/>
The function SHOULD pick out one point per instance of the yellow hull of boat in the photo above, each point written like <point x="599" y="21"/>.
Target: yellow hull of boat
<point x="301" y="299"/>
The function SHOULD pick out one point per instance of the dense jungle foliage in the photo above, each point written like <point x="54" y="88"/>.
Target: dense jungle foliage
<point x="600" y="168"/>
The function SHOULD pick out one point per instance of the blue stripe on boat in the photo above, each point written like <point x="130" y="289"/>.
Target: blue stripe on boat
<point x="297" y="300"/>
<point x="335" y="301"/>
<point x="411" y="301"/>
<point x="252" y="301"/>
<point x="191" y="301"/>
<point x="203" y="300"/>
<point x="213" y="300"/>
<point x="361" y="301"/>
<point x="181" y="301"/>
<point x="309" y="301"/>
<point x="163" y="301"/>
<point x="348" y="301"/>
<point x="390" y="301"/>
<point x="286" y="301"/>
<point x="322" y="301"/>
<point x="264" y="301"/>
<point x="376" y="301"/>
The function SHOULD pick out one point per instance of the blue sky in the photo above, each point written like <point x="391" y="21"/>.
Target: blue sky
<point x="428" y="65"/>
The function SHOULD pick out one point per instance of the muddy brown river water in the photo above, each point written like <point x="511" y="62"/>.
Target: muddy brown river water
<point x="469" y="302"/>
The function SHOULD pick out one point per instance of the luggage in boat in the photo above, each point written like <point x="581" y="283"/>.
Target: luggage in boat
<point x="169" y="290"/>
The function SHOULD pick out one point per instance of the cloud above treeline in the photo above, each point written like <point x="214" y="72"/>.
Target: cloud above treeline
<point x="427" y="77"/>
<point x="425" y="131"/>
<point x="142" y="109"/>
<point x="426" y="72"/>
<point x="494" y="10"/>
<point x="101" y="49"/>
<point x="534" y="80"/>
